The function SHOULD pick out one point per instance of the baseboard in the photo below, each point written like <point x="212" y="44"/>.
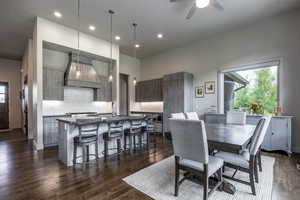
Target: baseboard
<point x="37" y="146"/>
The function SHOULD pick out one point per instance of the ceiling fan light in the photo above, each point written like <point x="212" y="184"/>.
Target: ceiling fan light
<point x="202" y="3"/>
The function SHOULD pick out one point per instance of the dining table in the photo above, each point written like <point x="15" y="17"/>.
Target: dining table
<point x="228" y="137"/>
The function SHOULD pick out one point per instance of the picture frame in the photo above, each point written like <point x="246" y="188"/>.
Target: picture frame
<point x="210" y="87"/>
<point x="199" y="92"/>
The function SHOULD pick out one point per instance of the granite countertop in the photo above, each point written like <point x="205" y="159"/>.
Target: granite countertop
<point x="66" y="115"/>
<point x="96" y="120"/>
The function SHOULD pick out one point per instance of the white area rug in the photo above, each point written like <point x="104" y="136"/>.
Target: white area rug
<point x="157" y="181"/>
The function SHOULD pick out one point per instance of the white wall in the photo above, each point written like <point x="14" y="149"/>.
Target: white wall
<point x="277" y="37"/>
<point x="10" y="71"/>
<point x="131" y="67"/>
<point x="45" y="30"/>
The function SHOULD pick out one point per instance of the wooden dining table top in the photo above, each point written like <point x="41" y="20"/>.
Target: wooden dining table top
<point x="228" y="137"/>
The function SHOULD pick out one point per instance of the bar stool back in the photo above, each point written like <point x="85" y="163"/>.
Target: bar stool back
<point x="87" y="136"/>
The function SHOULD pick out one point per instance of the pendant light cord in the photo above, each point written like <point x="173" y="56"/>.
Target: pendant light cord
<point x="134" y="39"/>
<point x="78" y="50"/>
<point x="111" y="39"/>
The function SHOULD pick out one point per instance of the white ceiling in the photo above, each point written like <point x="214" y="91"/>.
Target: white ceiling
<point x="152" y="16"/>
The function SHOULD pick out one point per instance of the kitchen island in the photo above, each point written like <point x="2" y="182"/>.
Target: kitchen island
<point x="68" y="129"/>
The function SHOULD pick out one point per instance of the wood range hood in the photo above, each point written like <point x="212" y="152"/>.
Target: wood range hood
<point x="80" y="72"/>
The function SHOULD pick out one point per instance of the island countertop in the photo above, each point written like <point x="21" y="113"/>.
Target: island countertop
<point x="95" y="120"/>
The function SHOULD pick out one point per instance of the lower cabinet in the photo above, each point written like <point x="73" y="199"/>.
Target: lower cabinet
<point x="50" y="131"/>
<point x="279" y="133"/>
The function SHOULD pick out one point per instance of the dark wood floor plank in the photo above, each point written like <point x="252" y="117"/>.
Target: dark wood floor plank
<point x="28" y="174"/>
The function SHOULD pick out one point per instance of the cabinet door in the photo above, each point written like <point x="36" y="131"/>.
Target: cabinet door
<point x="50" y="131"/>
<point x="53" y="84"/>
<point x="279" y="138"/>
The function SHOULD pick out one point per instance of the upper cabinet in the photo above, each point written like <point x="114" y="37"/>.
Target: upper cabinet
<point x="53" y="84"/>
<point x="104" y="93"/>
<point x="149" y="91"/>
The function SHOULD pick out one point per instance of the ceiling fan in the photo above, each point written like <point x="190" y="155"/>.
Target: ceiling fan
<point x="218" y="4"/>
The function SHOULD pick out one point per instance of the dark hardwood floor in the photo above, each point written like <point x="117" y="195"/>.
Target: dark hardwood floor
<point x="28" y="174"/>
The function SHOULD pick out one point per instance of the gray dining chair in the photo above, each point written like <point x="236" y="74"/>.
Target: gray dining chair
<point x="235" y="117"/>
<point x="246" y="161"/>
<point x="192" y="115"/>
<point x="191" y="154"/>
<point x="178" y="116"/>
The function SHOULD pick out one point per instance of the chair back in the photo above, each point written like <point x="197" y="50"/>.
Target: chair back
<point x="189" y="139"/>
<point x="259" y="134"/>
<point x="234" y="117"/>
<point x="192" y="115"/>
<point x="178" y="116"/>
<point x="88" y="130"/>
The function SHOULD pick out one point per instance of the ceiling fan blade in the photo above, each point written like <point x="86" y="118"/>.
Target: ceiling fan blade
<point x="218" y="4"/>
<point x="191" y="12"/>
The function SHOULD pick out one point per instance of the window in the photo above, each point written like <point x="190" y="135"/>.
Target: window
<point x="2" y="94"/>
<point x="252" y="89"/>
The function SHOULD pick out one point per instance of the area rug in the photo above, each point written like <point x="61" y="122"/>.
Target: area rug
<point x="157" y="181"/>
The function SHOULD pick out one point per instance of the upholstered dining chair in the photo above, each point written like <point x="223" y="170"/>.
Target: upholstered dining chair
<point x="191" y="154"/>
<point x="235" y="117"/>
<point x="178" y="116"/>
<point x="246" y="161"/>
<point x="192" y="115"/>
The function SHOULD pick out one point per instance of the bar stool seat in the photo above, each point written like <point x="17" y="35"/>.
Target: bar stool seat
<point x="86" y="138"/>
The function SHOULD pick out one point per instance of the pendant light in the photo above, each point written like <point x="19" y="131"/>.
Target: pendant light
<point x="78" y="50"/>
<point x="110" y="78"/>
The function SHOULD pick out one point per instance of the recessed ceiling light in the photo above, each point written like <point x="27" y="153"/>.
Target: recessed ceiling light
<point x="160" y="35"/>
<point x="117" y="37"/>
<point x="92" y="28"/>
<point x="57" y="14"/>
<point x="202" y="3"/>
<point x="137" y="46"/>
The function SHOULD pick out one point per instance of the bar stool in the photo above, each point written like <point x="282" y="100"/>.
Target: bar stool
<point x="134" y="131"/>
<point x="115" y="133"/>
<point x="151" y="129"/>
<point x="87" y="136"/>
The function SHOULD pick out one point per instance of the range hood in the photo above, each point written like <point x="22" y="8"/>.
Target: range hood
<point x="82" y="73"/>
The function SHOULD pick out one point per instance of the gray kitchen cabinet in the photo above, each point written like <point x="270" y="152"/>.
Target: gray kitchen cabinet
<point x="177" y="95"/>
<point x="279" y="133"/>
<point x="149" y="91"/>
<point x="104" y="93"/>
<point x="53" y="84"/>
<point x="50" y="131"/>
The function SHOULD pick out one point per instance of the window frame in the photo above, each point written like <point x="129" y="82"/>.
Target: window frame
<point x="243" y="67"/>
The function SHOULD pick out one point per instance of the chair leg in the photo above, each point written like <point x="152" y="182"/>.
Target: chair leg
<point x="259" y="160"/>
<point x="134" y="143"/>
<point x="97" y="150"/>
<point x="140" y="141"/>
<point x="130" y="143"/>
<point x="205" y="185"/>
<point x="105" y="149"/>
<point x="147" y="139"/>
<point x="83" y="156"/>
<point x="87" y="153"/>
<point x="251" y="175"/>
<point x="125" y="143"/>
<point x="176" y="176"/>
<point x="74" y="154"/>
<point x="256" y="169"/>
<point x="119" y="147"/>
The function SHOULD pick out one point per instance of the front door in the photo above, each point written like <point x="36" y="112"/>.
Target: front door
<point x="4" y="108"/>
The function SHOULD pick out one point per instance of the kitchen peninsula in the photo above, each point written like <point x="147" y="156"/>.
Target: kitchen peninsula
<point x="68" y="129"/>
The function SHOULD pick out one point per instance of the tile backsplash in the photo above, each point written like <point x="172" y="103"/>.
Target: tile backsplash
<point x="76" y="100"/>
